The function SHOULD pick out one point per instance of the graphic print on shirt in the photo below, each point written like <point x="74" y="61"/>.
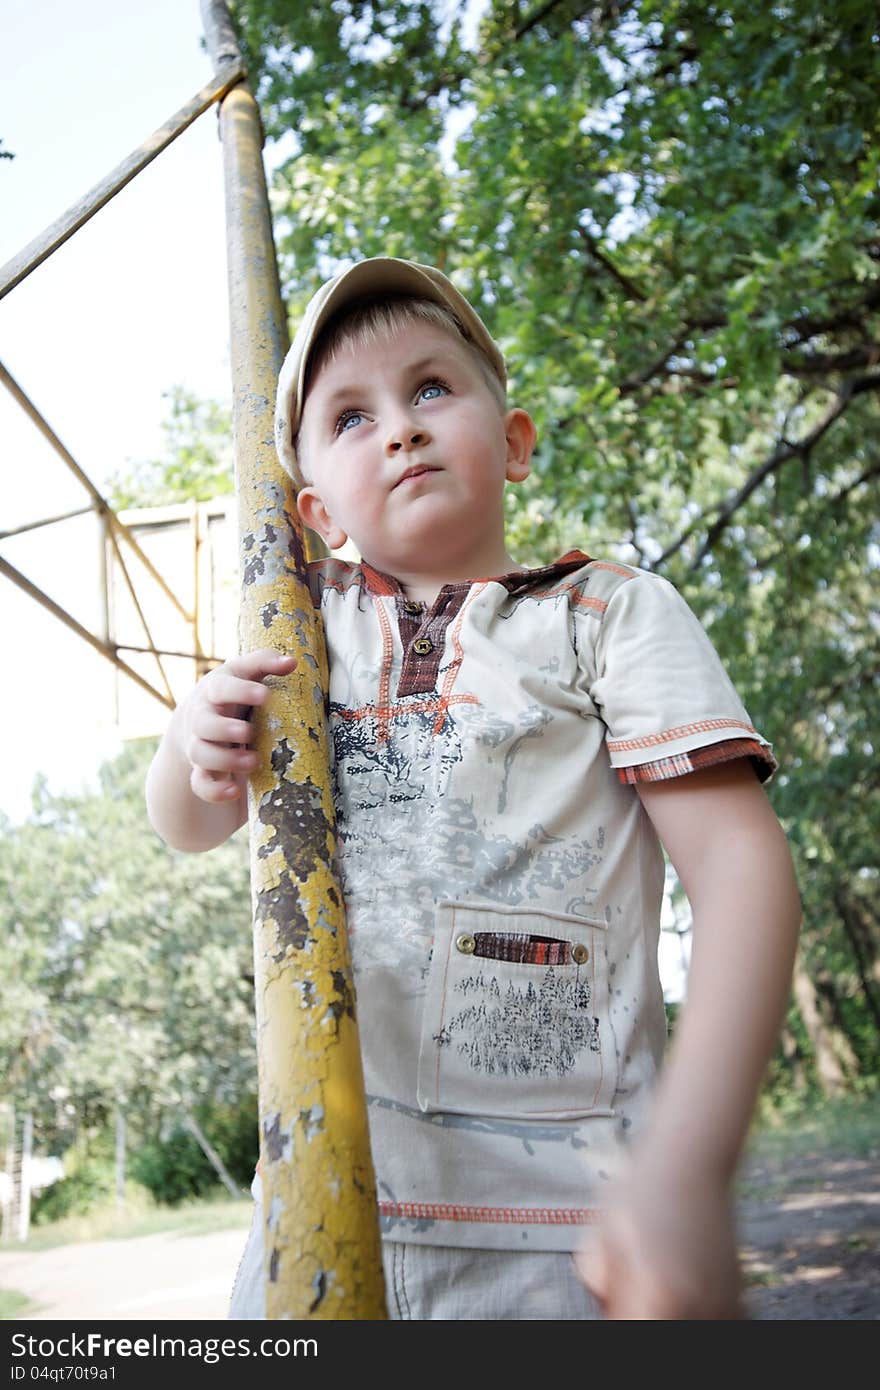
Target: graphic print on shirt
<point x="413" y="764"/>
<point x="522" y="1030"/>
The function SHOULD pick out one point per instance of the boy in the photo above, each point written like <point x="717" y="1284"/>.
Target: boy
<point x="511" y="748"/>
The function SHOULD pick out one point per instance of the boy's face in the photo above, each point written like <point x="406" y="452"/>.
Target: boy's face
<point x="408" y="453"/>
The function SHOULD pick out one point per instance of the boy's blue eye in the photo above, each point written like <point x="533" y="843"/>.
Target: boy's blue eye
<point x="432" y="391"/>
<point x="348" y="418"/>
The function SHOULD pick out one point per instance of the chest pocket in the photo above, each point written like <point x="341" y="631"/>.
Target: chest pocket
<point x="516" y="1015"/>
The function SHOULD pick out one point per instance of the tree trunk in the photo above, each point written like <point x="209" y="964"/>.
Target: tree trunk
<point x="859" y="936"/>
<point x="829" y="1071"/>
<point x="211" y="1154"/>
<point x="793" y="1059"/>
<point x="120" y="1155"/>
<point x="24" y="1179"/>
<point x="829" y="1002"/>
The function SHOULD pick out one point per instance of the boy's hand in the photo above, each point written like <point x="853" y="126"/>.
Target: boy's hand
<point x="664" y="1250"/>
<point x="216" y="734"/>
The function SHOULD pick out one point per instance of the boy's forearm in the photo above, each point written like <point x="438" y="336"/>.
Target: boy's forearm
<point x="746" y="918"/>
<point x="182" y="819"/>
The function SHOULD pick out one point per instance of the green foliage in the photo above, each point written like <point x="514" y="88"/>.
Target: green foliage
<point x="125" y="967"/>
<point x="90" y="1183"/>
<point x="172" y="1166"/>
<point x="197" y="464"/>
<point x="796" y="1127"/>
<point x="667" y="212"/>
<point x="233" y="1129"/>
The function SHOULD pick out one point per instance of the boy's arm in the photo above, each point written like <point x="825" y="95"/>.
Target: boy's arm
<point x="197" y="781"/>
<point x="666" y="1247"/>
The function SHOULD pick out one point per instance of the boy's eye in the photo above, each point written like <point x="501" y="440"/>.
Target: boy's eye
<point x="432" y="391"/>
<point x="347" y="420"/>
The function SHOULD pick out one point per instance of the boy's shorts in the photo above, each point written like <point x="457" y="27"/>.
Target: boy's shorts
<point x="436" y="1282"/>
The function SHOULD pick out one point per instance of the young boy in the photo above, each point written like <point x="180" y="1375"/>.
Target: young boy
<point x="511" y="749"/>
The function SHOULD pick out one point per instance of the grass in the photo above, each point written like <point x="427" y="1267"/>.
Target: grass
<point x="14" y="1305"/>
<point x="848" y="1126"/>
<point x="784" y="1142"/>
<point x="138" y="1218"/>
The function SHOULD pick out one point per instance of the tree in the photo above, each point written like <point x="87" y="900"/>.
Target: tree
<point x="667" y="213"/>
<point x="197" y="465"/>
<point x="129" y="976"/>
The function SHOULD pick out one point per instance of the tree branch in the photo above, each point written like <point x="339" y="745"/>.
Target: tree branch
<point x="784" y="451"/>
<point x="820" y="363"/>
<point x="781" y="454"/>
<point x="535" y="18"/>
<point x="632" y="290"/>
<point x="831" y="504"/>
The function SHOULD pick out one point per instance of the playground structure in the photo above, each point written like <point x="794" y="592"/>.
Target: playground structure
<point x="322" y="1238"/>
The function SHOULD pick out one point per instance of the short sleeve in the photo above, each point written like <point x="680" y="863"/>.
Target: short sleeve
<point x="668" y="704"/>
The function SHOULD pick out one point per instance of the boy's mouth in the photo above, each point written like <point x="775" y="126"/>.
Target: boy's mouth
<point x="415" y="472"/>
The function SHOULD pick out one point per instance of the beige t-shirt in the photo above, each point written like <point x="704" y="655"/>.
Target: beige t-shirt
<point x="503" y="883"/>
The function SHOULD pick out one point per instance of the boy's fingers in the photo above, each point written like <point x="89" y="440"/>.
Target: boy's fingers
<point x="217" y="757"/>
<point x="235" y="691"/>
<point x="213" y="786"/>
<point x="217" y="728"/>
<point x="254" y="666"/>
<point x="591" y="1266"/>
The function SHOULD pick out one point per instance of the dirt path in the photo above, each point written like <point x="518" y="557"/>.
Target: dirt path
<point x="810" y="1239"/>
<point x="147" y="1278"/>
<point x="809" y="1234"/>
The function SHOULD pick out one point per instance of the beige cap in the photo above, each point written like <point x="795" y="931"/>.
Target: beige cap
<point x="366" y="280"/>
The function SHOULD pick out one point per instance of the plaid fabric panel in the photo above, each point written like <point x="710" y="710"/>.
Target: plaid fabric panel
<point x="682" y="763"/>
<point x="522" y="950"/>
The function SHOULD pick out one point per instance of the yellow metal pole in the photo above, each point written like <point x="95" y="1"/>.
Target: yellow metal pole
<point x="323" y="1257"/>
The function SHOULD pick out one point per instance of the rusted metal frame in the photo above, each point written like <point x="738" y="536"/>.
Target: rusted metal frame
<point x="166" y="651"/>
<point x="198" y="541"/>
<point x="105" y="579"/>
<point x="105" y="649"/>
<point x="46" y="521"/>
<point x="42" y="246"/>
<point x="99" y="503"/>
<point x="140" y="612"/>
<point x="323" y="1253"/>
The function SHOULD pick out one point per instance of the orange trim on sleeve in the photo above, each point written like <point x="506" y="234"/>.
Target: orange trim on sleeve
<point x="680" y="765"/>
<point x="703" y="726"/>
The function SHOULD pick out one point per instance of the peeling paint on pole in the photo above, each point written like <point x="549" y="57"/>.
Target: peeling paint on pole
<point x="323" y="1256"/>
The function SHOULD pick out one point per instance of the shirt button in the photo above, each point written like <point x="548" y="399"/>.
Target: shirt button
<point x="423" y="645"/>
<point x="466" y="944"/>
<point x="410" y="606"/>
<point x="579" y="954"/>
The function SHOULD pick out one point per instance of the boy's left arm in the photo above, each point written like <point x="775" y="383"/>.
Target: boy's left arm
<point x="666" y="1246"/>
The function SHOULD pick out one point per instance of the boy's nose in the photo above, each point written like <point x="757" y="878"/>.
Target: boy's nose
<point x="404" y="439"/>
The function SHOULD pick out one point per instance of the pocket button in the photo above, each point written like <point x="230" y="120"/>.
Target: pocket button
<point x="579" y="954"/>
<point x="466" y="944"/>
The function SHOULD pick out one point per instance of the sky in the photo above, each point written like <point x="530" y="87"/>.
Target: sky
<point x="134" y="304"/>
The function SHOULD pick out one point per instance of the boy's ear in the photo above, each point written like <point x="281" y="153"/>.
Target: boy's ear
<point x="520" y="433"/>
<point x="315" y="515"/>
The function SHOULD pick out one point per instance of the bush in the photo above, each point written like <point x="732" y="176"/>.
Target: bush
<point x="173" y="1166"/>
<point x="92" y="1181"/>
